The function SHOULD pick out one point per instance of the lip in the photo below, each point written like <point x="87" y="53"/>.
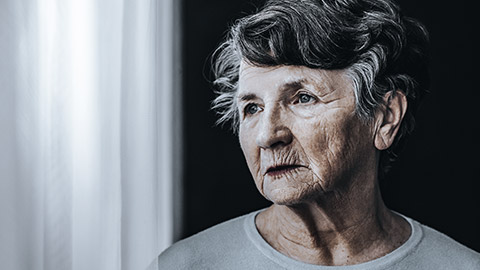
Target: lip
<point x="279" y="170"/>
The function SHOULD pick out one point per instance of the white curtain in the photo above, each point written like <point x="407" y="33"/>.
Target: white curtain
<point x="89" y="133"/>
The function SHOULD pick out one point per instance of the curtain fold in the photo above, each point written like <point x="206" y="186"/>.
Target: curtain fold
<point x="89" y="137"/>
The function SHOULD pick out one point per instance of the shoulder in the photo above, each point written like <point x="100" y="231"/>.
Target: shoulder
<point x="446" y="253"/>
<point x="211" y="245"/>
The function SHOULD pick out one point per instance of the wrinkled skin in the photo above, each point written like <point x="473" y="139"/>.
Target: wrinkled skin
<point x="321" y="134"/>
<point x="317" y="162"/>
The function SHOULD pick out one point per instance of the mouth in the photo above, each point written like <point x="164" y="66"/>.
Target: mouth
<point x="281" y="169"/>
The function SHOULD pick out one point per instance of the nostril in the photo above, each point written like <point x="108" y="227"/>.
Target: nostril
<point x="272" y="131"/>
<point x="275" y="144"/>
<point x="275" y="139"/>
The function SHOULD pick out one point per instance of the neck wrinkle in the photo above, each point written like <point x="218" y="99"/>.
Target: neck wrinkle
<point x="332" y="234"/>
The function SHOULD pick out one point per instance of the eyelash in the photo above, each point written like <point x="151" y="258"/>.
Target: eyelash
<point x="247" y="108"/>
<point x="302" y="94"/>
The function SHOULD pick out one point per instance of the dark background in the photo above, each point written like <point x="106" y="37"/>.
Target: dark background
<point x="435" y="181"/>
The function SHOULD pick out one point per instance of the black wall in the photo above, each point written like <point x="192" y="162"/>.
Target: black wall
<point x="435" y="181"/>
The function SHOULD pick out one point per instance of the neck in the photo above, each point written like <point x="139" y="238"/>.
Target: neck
<point x="336" y="229"/>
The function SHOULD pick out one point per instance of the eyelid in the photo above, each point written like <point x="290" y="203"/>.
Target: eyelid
<point x="247" y="105"/>
<point x="305" y="92"/>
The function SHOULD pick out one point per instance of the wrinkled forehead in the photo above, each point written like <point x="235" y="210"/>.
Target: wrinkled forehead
<point x="256" y="78"/>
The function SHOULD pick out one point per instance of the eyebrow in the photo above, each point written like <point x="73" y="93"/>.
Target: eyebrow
<point x="247" y="97"/>
<point x="293" y="84"/>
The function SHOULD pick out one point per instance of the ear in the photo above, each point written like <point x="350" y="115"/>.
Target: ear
<point x="388" y="119"/>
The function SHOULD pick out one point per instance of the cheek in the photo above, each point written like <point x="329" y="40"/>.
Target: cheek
<point x="250" y="151"/>
<point x="245" y="143"/>
<point x="333" y="146"/>
<point x="321" y="148"/>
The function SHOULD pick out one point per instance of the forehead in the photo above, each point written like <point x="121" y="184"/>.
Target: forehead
<point x="254" y="78"/>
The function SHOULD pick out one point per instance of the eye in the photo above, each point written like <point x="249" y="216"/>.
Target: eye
<point x="305" y="98"/>
<point x="251" y="108"/>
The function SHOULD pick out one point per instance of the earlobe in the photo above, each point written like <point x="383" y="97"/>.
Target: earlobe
<point x="389" y="118"/>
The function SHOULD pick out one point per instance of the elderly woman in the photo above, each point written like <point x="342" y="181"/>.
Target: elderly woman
<point x="322" y="94"/>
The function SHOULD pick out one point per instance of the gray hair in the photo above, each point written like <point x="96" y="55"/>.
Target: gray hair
<point x="380" y="49"/>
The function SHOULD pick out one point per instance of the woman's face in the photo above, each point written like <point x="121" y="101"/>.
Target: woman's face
<point x="299" y="132"/>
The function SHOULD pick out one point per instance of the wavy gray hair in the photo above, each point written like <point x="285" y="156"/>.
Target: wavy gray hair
<point x="380" y="49"/>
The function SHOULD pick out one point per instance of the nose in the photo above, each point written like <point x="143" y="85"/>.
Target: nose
<point x="273" y="131"/>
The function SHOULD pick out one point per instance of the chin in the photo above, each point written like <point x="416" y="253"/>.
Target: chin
<point x="291" y="189"/>
<point x="290" y="196"/>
